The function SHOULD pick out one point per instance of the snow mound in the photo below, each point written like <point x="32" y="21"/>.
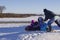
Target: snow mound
<point x="21" y="34"/>
<point x="39" y="36"/>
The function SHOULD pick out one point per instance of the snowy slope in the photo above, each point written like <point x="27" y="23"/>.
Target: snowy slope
<point x="39" y="36"/>
<point x="21" y="34"/>
<point x="15" y="31"/>
<point x="18" y="33"/>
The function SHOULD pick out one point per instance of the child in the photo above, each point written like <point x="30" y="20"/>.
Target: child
<point x="33" y="27"/>
<point x="32" y="23"/>
<point x="43" y="26"/>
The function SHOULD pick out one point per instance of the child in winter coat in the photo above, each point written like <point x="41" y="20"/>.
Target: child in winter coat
<point x="44" y="26"/>
<point x="33" y="27"/>
<point x="32" y="23"/>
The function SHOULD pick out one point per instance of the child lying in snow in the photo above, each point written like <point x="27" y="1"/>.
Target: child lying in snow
<point x="40" y="25"/>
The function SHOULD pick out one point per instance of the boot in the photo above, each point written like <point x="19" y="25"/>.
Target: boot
<point x="57" y="23"/>
<point x="49" y="29"/>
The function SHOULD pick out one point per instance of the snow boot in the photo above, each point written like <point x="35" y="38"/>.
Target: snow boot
<point x="57" y="23"/>
<point x="49" y="29"/>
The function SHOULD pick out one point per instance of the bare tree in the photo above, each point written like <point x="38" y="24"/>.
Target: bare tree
<point x="2" y="8"/>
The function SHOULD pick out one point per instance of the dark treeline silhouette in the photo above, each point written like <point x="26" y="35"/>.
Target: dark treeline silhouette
<point x="8" y="15"/>
<point x="14" y="15"/>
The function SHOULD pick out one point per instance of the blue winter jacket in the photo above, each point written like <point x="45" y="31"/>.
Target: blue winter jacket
<point x="43" y="27"/>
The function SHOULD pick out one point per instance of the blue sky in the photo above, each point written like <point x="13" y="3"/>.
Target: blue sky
<point x="30" y="6"/>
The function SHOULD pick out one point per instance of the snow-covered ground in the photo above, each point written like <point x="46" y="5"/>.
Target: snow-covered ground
<point x="19" y="19"/>
<point x="20" y="34"/>
<point x="15" y="31"/>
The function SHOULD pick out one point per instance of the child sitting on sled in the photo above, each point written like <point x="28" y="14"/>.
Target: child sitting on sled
<point x="33" y="26"/>
<point x="44" y="26"/>
<point x="40" y="25"/>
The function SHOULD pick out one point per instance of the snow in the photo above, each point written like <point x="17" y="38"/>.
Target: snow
<point x="10" y="25"/>
<point x="19" y="19"/>
<point x="15" y="31"/>
<point x="19" y="33"/>
<point x="1" y="34"/>
<point x="39" y="36"/>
